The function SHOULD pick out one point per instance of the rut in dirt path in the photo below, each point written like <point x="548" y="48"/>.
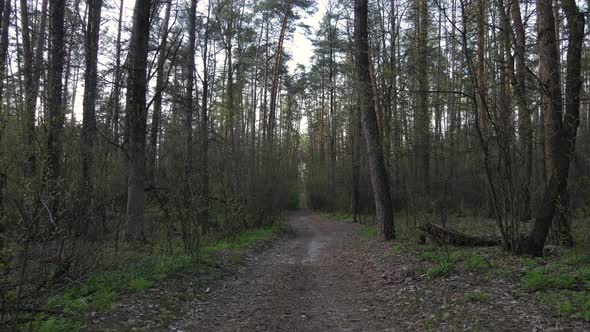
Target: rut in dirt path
<point x="309" y="282"/>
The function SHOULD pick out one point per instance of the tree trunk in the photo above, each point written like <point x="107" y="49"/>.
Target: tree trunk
<point x="137" y="114"/>
<point x="560" y="133"/>
<point x="380" y="183"/>
<point x="116" y="95"/>
<point x="32" y="74"/>
<point x="524" y="113"/>
<point x="573" y="88"/>
<point x="56" y="116"/>
<point x="88" y="135"/>
<point x="189" y="104"/>
<point x="275" y="80"/>
<point x="204" y="132"/>
<point x="6" y="11"/>
<point x="157" y="112"/>
<point x="423" y="112"/>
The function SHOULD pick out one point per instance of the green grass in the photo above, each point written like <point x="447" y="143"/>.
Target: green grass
<point x="476" y="296"/>
<point x="441" y="270"/>
<point x="561" y="283"/>
<point x="102" y="290"/>
<point x="368" y="232"/>
<point x="139" y="284"/>
<point x="337" y="216"/>
<point x="568" y="303"/>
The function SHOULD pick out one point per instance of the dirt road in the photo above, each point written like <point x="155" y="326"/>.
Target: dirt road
<point x="327" y="278"/>
<point x="310" y="282"/>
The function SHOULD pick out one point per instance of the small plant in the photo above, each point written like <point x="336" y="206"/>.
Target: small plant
<point x="474" y="262"/>
<point x="576" y="259"/>
<point x="368" y="232"/>
<point x="476" y="296"/>
<point x="139" y="284"/>
<point x="440" y="270"/>
<point x="52" y="324"/>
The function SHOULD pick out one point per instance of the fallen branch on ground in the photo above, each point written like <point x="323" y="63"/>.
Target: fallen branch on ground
<point x="441" y="235"/>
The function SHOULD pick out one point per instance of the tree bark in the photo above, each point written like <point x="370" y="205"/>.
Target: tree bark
<point x="88" y="135"/>
<point x="560" y="132"/>
<point x="136" y="112"/>
<point x="55" y="111"/>
<point x="275" y="80"/>
<point x="115" y="105"/>
<point x="189" y="98"/>
<point x="157" y="112"/>
<point x="423" y="113"/>
<point x="204" y="133"/>
<point x="32" y="74"/>
<point x="6" y="11"/>
<point x="379" y="180"/>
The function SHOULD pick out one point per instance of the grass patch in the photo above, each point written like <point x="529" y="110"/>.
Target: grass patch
<point x="101" y="291"/>
<point x="476" y="296"/>
<point x="568" y="303"/>
<point x="139" y="284"/>
<point x="475" y="261"/>
<point x="368" y="232"/>
<point x="441" y="270"/>
<point x="548" y="277"/>
<point x="338" y="216"/>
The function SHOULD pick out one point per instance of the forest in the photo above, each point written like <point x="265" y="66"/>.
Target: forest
<point x="153" y="144"/>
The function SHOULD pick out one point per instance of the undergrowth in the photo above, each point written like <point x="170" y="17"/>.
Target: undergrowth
<point x="561" y="282"/>
<point x="68" y="310"/>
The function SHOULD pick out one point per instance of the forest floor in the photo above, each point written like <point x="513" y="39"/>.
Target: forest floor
<point x="337" y="276"/>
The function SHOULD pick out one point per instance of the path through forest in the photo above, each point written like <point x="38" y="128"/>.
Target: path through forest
<point x="310" y="282"/>
<point x="327" y="278"/>
<point x="334" y="276"/>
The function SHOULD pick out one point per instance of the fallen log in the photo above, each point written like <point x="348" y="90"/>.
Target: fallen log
<point x="441" y="235"/>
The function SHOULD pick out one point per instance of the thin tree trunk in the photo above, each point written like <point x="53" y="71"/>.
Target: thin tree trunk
<point x="204" y="132"/>
<point x="6" y="11"/>
<point x="380" y="183"/>
<point x="32" y="74"/>
<point x="115" y="102"/>
<point x="524" y="112"/>
<point x="189" y="104"/>
<point x="56" y="116"/>
<point x="275" y="80"/>
<point x="157" y="112"/>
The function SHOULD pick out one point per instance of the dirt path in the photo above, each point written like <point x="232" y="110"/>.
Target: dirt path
<point x="327" y="278"/>
<point x="310" y="282"/>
